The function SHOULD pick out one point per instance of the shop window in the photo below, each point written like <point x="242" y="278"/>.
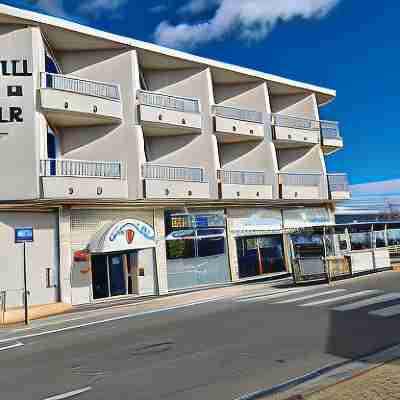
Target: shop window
<point x="211" y="246"/>
<point x="196" y="249"/>
<point x="183" y="248"/>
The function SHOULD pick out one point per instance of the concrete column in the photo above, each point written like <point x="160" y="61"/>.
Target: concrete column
<point x="233" y="258"/>
<point x="161" y="254"/>
<point x="65" y="255"/>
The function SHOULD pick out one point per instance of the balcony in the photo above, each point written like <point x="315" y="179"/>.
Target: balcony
<point x="291" y="131"/>
<point x="163" y="115"/>
<point x="298" y="186"/>
<point x="174" y="182"/>
<point x="78" y="179"/>
<point x="68" y="102"/>
<point x="236" y="124"/>
<point x="331" y="139"/>
<point x="339" y="187"/>
<point x="246" y="185"/>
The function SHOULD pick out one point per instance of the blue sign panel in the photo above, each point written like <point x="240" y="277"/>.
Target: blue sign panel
<point x="23" y="235"/>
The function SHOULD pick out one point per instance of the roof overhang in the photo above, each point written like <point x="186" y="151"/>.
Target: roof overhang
<point x="66" y="35"/>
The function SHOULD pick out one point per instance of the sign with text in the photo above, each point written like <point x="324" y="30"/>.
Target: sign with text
<point x="23" y="235"/>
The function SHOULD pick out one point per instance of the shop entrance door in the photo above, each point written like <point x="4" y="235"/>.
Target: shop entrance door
<point x="108" y="276"/>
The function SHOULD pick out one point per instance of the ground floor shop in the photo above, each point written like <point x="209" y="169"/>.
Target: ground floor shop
<point x="82" y="255"/>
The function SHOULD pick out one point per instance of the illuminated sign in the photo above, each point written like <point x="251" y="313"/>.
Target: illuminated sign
<point x="23" y="235"/>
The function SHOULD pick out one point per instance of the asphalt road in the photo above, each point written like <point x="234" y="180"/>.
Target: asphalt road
<point x="217" y="350"/>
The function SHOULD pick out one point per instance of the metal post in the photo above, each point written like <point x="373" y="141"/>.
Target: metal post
<point x="25" y="288"/>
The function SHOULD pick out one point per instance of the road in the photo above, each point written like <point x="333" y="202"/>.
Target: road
<point x="246" y="339"/>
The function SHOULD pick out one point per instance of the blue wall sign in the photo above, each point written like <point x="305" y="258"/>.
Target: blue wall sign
<point x="23" y="235"/>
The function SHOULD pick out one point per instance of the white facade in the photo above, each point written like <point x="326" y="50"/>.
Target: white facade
<point x="167" y="133"/>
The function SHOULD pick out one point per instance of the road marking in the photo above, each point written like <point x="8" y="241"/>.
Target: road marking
<point x="339" y="298"/>
<point x="368" y="302"/>
<point x="387" y="312"/>
<point x="69" y="394"/>
<point x="103" y="321"/>
<point x="12" y="346"/>
<point x="273" y="295"/>
<point x="310" y="296"/>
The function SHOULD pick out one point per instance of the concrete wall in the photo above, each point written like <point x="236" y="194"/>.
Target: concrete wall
<point x="122" y="142"/>
<point x="19" y="136"/>
<point x="247" y="156"/>
<point x="41" y="254"/>
<point x="183" y="150"/>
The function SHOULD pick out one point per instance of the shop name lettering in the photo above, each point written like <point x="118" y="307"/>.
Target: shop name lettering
<point x="13" y="69"/>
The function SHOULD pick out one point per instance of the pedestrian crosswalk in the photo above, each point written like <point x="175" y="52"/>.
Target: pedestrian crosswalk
<point x="373" y="301"/>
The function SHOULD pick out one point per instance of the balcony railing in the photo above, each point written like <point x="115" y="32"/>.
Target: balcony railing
<point x="80" y="168"/>
<point x="239" y="114"/>
<point x="169" y="102"/>
<point x="293" y="179"/>
<point x="295" y="122"/>
<point x="81" y="86"/>
<point x="173" y="173"/>
<point x="330" y="130"/>
<point x="338" y="183"/>
<point x="229" y="177"/>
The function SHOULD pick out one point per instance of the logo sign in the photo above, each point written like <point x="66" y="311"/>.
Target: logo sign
<point x="23" y="235"/>
<point x="130" y="235"/>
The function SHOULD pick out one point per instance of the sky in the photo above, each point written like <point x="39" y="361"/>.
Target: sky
<point x="351" y="46"/>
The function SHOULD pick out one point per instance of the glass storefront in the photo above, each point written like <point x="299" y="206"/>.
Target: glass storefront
<point x="260" y="255"/>
<point x="196" y="249"/>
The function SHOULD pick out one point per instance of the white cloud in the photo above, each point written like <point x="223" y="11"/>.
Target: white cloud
<point x="53" y="7"/>
<point x="253" y="19"/>
<point x="95" y="8"/>
<point x="197" y="6"/>
<point x="88" y="8"/>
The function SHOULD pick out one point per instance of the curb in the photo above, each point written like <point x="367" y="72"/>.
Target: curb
<point x="300" y="387"/>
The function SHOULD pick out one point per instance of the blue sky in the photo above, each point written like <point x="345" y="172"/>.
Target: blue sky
<point x="348" y="45"/>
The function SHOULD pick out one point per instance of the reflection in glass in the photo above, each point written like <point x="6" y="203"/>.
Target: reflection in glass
<point x="360" y="240"/>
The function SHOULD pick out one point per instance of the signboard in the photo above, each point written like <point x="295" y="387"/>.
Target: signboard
<point x="306" y="217"/>
<point x="23" y="235"/>
<point x="186" y="221"/>
<point x="259" y="221"/>
<point x="128" y="234"/>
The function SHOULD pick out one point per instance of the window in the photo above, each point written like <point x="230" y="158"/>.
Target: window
<point x="393" y="237"/>
<point x="211" y="246"/>
<point x="48" y="278"/>
<point x="183" y="248"/>
<point x="380" y="239"/>
<point x="360" y="240"/>
<point x="342" y="241"/>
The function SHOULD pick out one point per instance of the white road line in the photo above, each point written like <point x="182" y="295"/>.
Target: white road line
<point x="275" y="295"/>
<point x="387" y="312"/>
<point x="103" y="321"/>
<point x="310" y="296"/>
<point x="69" y="394"/>
<point x="11" y="346"/>
<point x="368" y="302"/>
<point x="339" y="298"/>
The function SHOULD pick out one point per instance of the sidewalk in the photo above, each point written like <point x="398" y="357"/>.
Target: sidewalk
<point x="375" y="377"/>
<point x="60" y="313"/>
<point x="379" y="383"/>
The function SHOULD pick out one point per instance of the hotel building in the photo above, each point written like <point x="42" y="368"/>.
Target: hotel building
<point x="145" y="170"/>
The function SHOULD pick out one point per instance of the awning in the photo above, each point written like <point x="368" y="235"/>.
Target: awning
<point x="128" y="234"/>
